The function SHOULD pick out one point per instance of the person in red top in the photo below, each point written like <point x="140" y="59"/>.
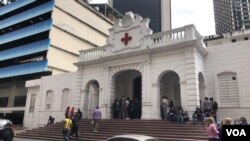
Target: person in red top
<point x="212" y="130"/>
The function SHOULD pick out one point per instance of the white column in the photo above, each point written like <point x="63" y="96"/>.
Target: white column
<point x="84" y="105"/>
<point x="146" y="92"/>
<point x="156" y="100"/>
<point x="105" y="95"/>
<point x="184" y="97"/>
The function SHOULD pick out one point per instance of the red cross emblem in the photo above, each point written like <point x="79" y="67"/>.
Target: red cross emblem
<point x="126" y="38"/>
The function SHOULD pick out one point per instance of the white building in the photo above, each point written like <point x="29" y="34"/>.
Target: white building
<point x="146" y="66"/>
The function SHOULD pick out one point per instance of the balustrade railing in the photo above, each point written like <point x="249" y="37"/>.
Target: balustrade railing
<point x="92" y="53"/>
<point x="168" y="36"/>
<point x="175" y="35"/>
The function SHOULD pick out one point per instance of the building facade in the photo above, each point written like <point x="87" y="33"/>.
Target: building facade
<point x="134" y="63"/>
<point x="36" y="41"/>
<point x="138" y="64"/>
<point x="231" y="15"/>
<point x="158" y="11"/>
<point x="227" y="79"/>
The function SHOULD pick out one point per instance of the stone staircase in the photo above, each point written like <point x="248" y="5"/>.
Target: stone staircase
<point x="165" y="131"/>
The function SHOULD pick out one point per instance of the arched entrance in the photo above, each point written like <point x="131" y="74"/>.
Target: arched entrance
<point x="91" y="97"/>
<point x="170" y="87"/>
<point x="201" y="87"/>
<point x="128" y="83"/>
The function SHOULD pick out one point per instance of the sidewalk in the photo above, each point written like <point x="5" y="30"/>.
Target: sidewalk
<point x="25" y="139"/>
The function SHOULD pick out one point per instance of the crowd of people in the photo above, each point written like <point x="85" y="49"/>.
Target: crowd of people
<point x="207" y="112"/>
<point x="172" y="113"/>
<point x="71" y="123"/>
<point x="208" y="108"/>
<point x="214" y="129"/>
<point x="126" y="108"/>
<point x="131" y="109"/>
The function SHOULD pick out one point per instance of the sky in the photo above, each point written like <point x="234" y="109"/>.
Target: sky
<point x="197" y="12"/>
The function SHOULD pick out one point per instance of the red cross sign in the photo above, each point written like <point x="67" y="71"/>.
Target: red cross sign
<point x="126" y="38"/>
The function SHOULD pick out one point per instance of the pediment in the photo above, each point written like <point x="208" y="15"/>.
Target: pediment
<point x="129" y="33"/>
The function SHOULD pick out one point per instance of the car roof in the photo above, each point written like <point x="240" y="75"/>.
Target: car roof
<point x="3" y="122"/>
<point x="133" y="136"/>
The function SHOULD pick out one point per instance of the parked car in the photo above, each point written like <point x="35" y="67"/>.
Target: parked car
<point x="131" y="137"/>
<point x="6" y="130"/>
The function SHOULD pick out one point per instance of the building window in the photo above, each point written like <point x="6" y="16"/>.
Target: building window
<point x="228" y="89"/>
<point x="32" y="103"/>
<point x="4" y="101"/>
<point x="19" y="101"/>
<point x="20" y="83"/>
<point x="65" y="98"/>
<point x="245" y="38"/>
<point x="233" y="40"/>
<point x="49" y="100"/>
<point x="4" y="85"/>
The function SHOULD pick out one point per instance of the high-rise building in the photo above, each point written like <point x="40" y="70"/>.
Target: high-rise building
<point x="43" y="37"/>
<point x="158" y="11"/>
<point x="231" y="15"/>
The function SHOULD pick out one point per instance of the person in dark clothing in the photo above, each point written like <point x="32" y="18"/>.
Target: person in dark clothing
<point x="162" y="112"/>
<point x="116" y="108"/>
<point x="172" y="114"/>
<point x="198" y="115"/>
<point x="185" y="116"/>
<point x="50" y="120"/>
<point x="137" y="107"/>
<point x="75" y="125"/>
<point x="67" y="111"/>
<point x="79" y="115"/>
<point x="243" y="121"/>
<point x="180" y="115"/>
<point x="132" y="109"/>
<point x="214" y="104"/>
<point x="214" y="108"/>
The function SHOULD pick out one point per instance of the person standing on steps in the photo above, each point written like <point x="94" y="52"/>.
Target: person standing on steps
<point x="67" y="123"/>
<point x="165" y="107"/>
<point x="67" y="111"/>
<point x="97" y="115"/>
<point x="75" y="125"/>
<point x="213" y="133"/>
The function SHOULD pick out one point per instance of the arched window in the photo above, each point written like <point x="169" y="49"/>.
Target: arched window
<point x="228" y="89"/>
<point x="65" y="98"/>
<point x="49" y="100"/>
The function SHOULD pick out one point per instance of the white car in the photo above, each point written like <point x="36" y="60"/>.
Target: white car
<point x="131" y="137"/>
<point x="6" y="130"/>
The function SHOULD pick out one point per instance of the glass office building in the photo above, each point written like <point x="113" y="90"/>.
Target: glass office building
<point x="158" y="11"/>
<point x="231" y="15"/>
<point x="36" y="41"/>
<point x="24" y="41"/>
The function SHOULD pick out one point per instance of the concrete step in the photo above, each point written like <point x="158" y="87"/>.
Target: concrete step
<point x="165" y="131"/>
